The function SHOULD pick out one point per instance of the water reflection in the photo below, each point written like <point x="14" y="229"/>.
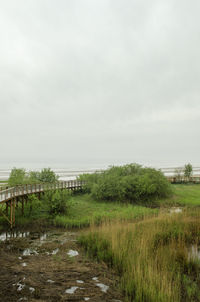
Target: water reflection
<point x="176" y="210"/>
<point x="18" y="234"/>
<point x="10" y="235"/>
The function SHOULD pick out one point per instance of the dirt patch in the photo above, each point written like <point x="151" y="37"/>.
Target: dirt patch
<point x="53" y="269"/>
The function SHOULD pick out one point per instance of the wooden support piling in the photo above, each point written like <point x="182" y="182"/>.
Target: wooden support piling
<point x="23" y="206"/>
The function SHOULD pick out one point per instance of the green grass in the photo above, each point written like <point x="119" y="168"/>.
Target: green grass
<point x="188" y="195"/>
<point x="85" y="211"/>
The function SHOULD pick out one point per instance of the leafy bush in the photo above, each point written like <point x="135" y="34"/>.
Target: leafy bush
<point x="20" y="176"/>
<point x="128" y="183"/>
<point x="188" y="170"/>
<point x="17" y="176"/>
<point x="57" y="202"/>
<point x="46" y="175"/>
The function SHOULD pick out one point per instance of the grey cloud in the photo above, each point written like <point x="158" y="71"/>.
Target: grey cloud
<point x="99" y="81"/>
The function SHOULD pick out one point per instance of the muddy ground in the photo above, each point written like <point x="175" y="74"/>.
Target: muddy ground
<point x="39" y="268"/>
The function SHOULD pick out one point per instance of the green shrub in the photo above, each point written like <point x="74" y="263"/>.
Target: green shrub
<point x="21" y="176"/>
<point x="128" y="183"/>
<point x="17" y="176"/>
<point x="46" y="175"/>
<point x="188" y="171"/>
<point x="57" y="202"/>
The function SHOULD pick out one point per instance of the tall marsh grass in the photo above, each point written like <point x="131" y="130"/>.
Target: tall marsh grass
<point x="151" y="256"/>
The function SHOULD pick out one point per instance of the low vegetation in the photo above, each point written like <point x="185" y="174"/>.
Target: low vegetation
<point x="64" y="209"/>
<point x="185" y="195"/>
<point x="85" y="211"/>
<point x="42" y="211"/>
<point x="157" y="259"/>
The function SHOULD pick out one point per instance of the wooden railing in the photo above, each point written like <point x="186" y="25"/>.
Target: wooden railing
<point x="183" y="179"/>
<point x="13" y="192"/>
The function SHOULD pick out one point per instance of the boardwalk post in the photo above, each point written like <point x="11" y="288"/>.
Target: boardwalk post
<point x="14" y="201"/>
<point x="7" y="209"/>
<point x="11" y="214"/>
<point x="22" y="205"/>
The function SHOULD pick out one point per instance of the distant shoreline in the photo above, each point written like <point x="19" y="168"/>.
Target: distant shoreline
<point x="65" y="174"/>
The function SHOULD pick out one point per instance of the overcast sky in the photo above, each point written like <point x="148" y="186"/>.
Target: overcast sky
<point x="98" y="82"/>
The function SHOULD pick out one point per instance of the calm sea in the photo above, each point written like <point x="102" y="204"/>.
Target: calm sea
<point x="72" y="173"/>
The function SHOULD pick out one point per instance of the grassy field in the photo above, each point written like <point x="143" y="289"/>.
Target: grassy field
<point x="157" y="258"/>
<point x="188" y="195"/>
<point x="84" y="211"/>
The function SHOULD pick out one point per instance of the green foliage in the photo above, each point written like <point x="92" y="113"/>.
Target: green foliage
<point x="188" y="170"/>
<point x="20" y="176"/>
<point x="57" y="202"/>
<point x="33" y="199"/>
<point x="33" y="177"/>
<point x="47" y="175"/>
<point x="17" y="176"/>
<point x="177" y="174"/>
<point x="128" y="183"/>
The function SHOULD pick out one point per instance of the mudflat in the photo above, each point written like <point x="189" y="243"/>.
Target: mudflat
<point x="51" y="266"/>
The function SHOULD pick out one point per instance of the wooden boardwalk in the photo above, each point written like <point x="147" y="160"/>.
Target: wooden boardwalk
<point x="10" y="197"/>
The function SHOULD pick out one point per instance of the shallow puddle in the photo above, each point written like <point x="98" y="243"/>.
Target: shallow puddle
<point x="50" y="281"/>
<point x="194" y="252"/>
<point x="71" y="290"/>
<point x="29" y="252"/>
<point x="32" y="289"/>
<point x="10" y="235"/>
<point x="175" y="210"/>
<point x="72" y="253"/>
<point x="104" y="288"/>
<point x="23" y="299"/>
<point x="19" y="286"/>
<point x="17" y="234"/>
<point x="54" y="252"/>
